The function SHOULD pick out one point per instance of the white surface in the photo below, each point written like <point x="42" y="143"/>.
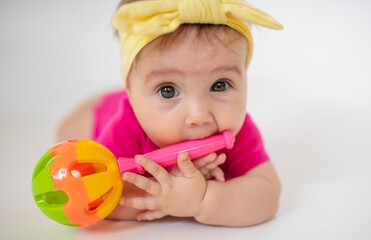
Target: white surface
<point x="309" y="92"/>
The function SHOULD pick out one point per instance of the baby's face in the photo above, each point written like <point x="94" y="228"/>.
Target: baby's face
<point x="190" y="90"/>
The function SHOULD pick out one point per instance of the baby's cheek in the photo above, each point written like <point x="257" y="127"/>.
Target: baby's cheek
<point x="163" y="133"/>
<point x="232" y="121"/>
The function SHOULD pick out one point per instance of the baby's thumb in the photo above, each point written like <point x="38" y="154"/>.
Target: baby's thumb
<point x="186" y="166"/>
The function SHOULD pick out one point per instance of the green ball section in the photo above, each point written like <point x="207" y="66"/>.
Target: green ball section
<point x="49" y="200"/>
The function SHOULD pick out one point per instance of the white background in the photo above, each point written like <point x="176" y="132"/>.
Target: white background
<point x="309" y="93"/>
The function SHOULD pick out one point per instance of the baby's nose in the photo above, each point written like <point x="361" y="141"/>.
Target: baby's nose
<point x="199" y="114"/>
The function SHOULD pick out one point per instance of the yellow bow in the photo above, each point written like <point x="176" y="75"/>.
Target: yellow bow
<point x="140" y="22"/>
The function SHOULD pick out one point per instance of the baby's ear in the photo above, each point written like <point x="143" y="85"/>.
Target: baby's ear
<point x="127" y="88"/>
<point x="129" y="93"/>
<point x="128" y="80"/>
<point x="127" y="85"/>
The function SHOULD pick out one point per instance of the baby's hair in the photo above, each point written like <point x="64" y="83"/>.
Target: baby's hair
<point x="203" y="31"/>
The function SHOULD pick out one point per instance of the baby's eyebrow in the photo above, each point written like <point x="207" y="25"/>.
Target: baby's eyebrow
<point x="227" y="68"/>
<point x="156" y="73"/>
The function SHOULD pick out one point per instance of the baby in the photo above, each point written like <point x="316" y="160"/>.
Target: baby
<point x="184" y="67"/>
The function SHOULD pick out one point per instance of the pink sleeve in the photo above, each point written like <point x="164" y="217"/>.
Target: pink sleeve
<point x="248" y="151"/>
<point x="106" y="109"/>
<point x="116" y="126"/>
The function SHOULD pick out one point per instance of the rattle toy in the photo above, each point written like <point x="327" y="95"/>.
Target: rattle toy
<point x="78" y="182"/>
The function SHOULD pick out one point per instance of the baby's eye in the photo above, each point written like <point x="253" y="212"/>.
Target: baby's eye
<point x="220" y="86"/>
<point x="168" y="92"/>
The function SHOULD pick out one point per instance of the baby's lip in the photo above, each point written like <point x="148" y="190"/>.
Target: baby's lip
<point x="199" y="137"/>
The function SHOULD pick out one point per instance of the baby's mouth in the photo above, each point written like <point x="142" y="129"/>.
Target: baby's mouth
<point x="199" y="136"/>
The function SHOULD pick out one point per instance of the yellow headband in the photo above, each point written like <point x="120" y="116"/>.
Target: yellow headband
<point x="139" y="23"/>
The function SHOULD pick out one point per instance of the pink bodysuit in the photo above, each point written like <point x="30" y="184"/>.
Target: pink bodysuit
<point x="116" y="127"/>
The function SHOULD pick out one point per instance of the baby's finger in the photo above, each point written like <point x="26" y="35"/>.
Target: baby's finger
<point x="150" y="215"/>
<point x="220" y="159"/>
<point x="143" y="203"/>
<point x="158" y="172"/>
<point x="207" y="176"/>
<point x="175" y="171"/>
<point x="218" y="174"/>
<point x="202" y="161"/>
<point x="186" y="166"/>
<point x="143" y="183"/>
<point x="208" y="167"/>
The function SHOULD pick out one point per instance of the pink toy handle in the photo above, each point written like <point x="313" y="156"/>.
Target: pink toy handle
<point x="167" y="156"/>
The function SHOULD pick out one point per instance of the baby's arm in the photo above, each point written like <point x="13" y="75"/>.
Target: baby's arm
<point x="247" y="200"/>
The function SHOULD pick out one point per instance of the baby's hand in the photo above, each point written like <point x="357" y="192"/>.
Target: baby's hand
<point x="208" y="166"/>
<point x="168" y="195"/>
